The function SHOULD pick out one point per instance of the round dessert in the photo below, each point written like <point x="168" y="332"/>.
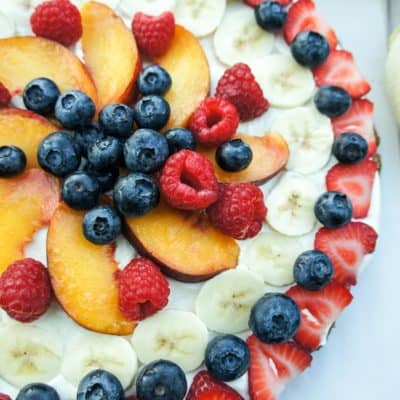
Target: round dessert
<point x="188" y="193"/>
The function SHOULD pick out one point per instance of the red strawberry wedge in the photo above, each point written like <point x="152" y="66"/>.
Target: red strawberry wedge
<point x="355" y="180"/>
<point x="205" y="387"/>
<point x="358" y="119"/>
<point x="302" y="16"/>
<point x="273" y="366"/>
<point x="341" y="70"/>
<point x="319" y="310"/>
<point x="346" y="247"/>
<point x="254" y="3"/>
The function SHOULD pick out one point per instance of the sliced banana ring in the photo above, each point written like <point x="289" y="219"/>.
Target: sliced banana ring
<point x="177" y="336"/>
<point x="392" y="73"/>
<point x="239" y="39"/>
<point x="89" y="351"/>
<point x="224" y="302"/>
<point x="7" y="26"/>
<point x="28" y="354"/>
<point x="151" y="7"/>
<point x="291" y="205"/>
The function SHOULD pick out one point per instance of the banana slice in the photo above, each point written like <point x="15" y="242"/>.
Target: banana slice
<point x="224" y="302"/>
<point x="151" y="7"/>
<point x="28" y="354"/>
<point x="285" y="83"/>
<point x="89" y="351"/>
<point x="291" y="205"/>
<point x="309" y="136"/>
<point x="201" y="17"/>
<point x="238" y="38"/>
<point x="272" y="256"/>
<point x="7" y="26"/>
<point x="392" y="73"/>
<point x="177" y="336"/>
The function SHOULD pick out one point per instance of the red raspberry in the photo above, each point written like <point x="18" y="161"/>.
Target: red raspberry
<point x="153" y="34"/>
<point x="214" y="122"/>
<point x="143" y="289"/>
<point x="4" y="397"/>
<point x="57" y="20"/>
<point x="188" y="181"/>
<point x="239" y="86"/>
<point x="25" y="290"/>
<point x="5" y="96"/>
<point x="239" y="211"/>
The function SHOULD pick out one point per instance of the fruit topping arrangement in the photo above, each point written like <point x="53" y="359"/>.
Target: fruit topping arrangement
<point x="202" y="170"/>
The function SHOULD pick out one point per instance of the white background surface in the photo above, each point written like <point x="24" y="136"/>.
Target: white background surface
<point x="361" y="360"/>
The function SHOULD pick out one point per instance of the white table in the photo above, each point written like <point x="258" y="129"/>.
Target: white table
<point x="361" y="361"/>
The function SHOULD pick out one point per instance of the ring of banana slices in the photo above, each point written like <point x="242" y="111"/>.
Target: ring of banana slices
<point x="56" y="350"/>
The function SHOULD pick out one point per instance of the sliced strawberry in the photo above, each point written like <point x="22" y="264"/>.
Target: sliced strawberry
<point x="273" y="366"/>
<point x="204" y="387"/>
<point x="346" y="247"/>
<point x="341" y="70"/>
<point x="356" y="181"/>
<point x="324" y="305"/>
<point x="358" y="119"/>
<point x="303" y="16"/>
<point x="254" y="3"/>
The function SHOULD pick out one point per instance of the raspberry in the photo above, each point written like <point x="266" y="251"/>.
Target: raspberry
<point x="214" y="122"/>
<point x="239" y="86"/>
<point x="25" y="290"/>
<point x="5" y="96"/>
<point x="57" y="20"/>
<point x="143" y="289"/>
<point x="153" y="34"/>
<point x="239" y="211"/>
<point x="188" y="181"/>
<point x="4" y="397"/>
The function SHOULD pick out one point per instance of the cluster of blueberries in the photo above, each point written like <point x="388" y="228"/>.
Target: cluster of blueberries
<point x="89" y="156"/>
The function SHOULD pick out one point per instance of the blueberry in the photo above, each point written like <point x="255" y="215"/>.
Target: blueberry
<point x="80" y="191"/>
<point x="310" y="49"/>
<point x="154" y="80"/>
<point x="116" y="120"/>
<point x="313" y="270"/>
<point x="179" y="139"/>
<point x="152" y="112"/>
<point x="227" y="357"/>
<point x="12" y="161"/>
<point x="136" y="194"/>
<point x="275" y="318"/>
<point x="234" y="155"/>
<point x="271" y="16"/>
<point x="37" y="391"/>
<point x="332" y="101"/>
<point x="145" y="151"/>
<point x="105" y="178"/>
<point x="40" y="96"/>
<point x="102" y="225"/>
<point x="59" y="154"/>
<point x="85" y="137"/>
<point x="100" y="385"/>
<point x="74" y="109"/>
<point x="350" y="148"/>
<point x="161" y="380"/>
<point x="333" y="209"/>
<point x="105" y="153"/>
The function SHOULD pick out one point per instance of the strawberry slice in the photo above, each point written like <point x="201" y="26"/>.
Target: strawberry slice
<point x="358" y="119"/>
<point x="346" y="247"/>
<point x="341" y="70"/>
<point x="254" y="3"/>
<point x="319" y="310"/>
<point x="273" y="366"/>
<point x="205" y="387"/>
<point x="355" y="180"/>
<point x="302" y="16"/>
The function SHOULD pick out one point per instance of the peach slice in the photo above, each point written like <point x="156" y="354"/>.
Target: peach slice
<point x="83" y="275"/>
<point x="24" y="129"/>
<point x="26" y="57"/>
<point x="270" y="155"/>
<point x="184" y="244"/>
<point x="187" y="64"/>
<point x="27" y="203"/>
<point x="110" y="53"/>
